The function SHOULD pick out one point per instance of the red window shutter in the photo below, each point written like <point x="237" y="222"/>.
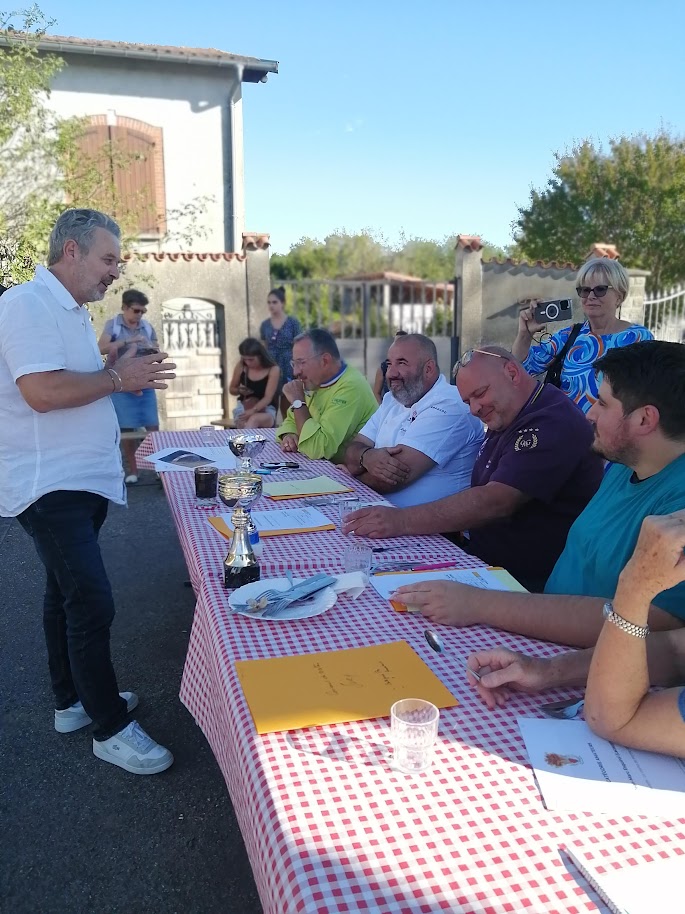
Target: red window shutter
<point x="134" y="177"/>
<point x="94" y="145"/>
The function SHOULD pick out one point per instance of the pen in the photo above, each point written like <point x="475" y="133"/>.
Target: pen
<point x="408" y="569"/>
<point x="475" y="675"/>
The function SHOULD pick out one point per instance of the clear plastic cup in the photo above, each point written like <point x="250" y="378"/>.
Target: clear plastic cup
<point x="207" y="433"/>
<point x="358" y="557"/>
<point x="413" y="732"/>
<point x="347" y="506"/>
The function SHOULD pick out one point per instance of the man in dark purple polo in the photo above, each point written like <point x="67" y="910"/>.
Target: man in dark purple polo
<point x="534" y="475"/>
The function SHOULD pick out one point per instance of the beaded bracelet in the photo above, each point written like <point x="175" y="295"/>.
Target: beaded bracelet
<point x="361" y="457"/>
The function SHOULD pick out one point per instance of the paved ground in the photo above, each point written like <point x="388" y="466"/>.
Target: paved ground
<point x="78" y="835"/>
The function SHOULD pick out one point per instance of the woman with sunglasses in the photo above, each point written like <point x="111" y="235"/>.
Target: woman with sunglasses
<point x="602" y="286"/>
<point x="133" y="411"/>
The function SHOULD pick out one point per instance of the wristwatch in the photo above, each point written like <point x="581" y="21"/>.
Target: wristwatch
<point x="298" y="404"/>
<point x="639" y="631"/>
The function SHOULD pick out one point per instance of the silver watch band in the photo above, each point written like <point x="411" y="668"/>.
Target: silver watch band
<point x="630" y="628"/>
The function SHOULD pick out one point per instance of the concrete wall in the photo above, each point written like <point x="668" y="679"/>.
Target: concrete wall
<point x="230" y="284"/>
<point x="489" y="292"/>
<point x="192" y="106"/>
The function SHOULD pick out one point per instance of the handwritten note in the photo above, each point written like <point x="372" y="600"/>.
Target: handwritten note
<point x="306" y="690"/>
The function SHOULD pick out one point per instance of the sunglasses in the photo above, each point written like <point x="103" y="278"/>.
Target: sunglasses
<point x="597" y="291"/>
<point x="468" y="357"/>
<point x="137" y="310"/>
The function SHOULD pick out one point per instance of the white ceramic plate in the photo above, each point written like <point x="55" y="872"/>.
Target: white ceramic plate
<point x="319" y="602"/>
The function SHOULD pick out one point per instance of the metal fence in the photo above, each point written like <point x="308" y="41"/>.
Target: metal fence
<point x="354" y="309"/>
<point x="364" y="314"/>
<point x="665" y="314"/>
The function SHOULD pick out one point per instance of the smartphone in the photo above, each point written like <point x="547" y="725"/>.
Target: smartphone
<point x="284" y="465"/>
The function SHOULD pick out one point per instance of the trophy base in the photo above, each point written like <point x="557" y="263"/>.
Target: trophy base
<point x="236" y="577"/>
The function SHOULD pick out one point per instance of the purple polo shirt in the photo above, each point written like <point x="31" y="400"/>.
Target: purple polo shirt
<point x="544" y="453"/>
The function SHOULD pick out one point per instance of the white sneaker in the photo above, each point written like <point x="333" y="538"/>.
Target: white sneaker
<point x="131" y="479"/>
<point x="75" y="717"/>
<point x="133" y="750"/>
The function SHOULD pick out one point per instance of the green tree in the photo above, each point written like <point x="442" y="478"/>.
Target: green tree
<point x="632" y="195"/>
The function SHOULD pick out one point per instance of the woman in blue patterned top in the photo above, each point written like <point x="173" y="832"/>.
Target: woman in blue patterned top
<point x="602" y="285"/>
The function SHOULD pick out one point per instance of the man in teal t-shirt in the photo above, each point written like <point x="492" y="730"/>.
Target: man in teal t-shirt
<point x="329" y="400"/>
<point x="639" y="423"/>
<point x="602" y="539"/>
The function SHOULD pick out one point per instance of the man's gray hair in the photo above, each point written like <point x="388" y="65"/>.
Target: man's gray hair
<point x="78" y="225"/>
<point x="322" y="342"/>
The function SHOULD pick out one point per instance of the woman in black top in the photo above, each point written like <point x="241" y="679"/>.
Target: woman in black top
<point x="255" y="384"/>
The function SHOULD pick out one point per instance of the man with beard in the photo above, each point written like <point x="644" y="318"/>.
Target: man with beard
<point x="533" y="476"/>
<point x="422" y="442"/>
<point x="639" y="425"/>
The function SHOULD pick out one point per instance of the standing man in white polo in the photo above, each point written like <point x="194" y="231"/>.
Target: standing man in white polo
<point x="60" y="467"/>
<point x="422" y="442"/>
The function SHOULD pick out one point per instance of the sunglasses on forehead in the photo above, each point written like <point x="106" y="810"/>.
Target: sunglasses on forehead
<point x="597" y="291"/>
<point x="468" y="357"/>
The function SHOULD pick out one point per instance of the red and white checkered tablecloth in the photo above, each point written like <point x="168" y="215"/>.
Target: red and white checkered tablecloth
<point x="329" y="826"/>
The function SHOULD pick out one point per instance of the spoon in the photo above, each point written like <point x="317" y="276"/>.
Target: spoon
<point x="435" y="643"/>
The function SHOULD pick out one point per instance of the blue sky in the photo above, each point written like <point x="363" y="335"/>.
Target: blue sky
<point x="424" y="118"/>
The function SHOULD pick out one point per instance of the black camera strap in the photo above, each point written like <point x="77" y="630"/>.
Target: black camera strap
<point x="556" y="366"/>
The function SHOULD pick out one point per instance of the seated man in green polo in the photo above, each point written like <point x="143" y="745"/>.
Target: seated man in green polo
<point x="329" y="400"/>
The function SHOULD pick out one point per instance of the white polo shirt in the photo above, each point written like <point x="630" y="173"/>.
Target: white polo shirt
<point x="42" y="328"/>
<point x="441" y="427"/>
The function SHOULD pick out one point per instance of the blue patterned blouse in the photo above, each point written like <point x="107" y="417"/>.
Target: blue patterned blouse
<point x="279" y="344"/>
<point x="577" y="377"/>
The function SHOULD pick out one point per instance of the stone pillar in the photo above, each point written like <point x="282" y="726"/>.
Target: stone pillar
<point x="469" y="274"/>
<point x="256" y="251"/>
<point x="633" y="308"/>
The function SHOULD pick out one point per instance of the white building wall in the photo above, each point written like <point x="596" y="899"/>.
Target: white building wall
<point x="191" y="105"/>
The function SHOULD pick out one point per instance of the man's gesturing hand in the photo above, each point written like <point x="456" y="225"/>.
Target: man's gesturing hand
<point x="383" y="463"/>
<point x="145" y="371"/>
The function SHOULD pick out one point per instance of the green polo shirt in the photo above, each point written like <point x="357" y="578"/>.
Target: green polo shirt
<point x="338" y="412"/>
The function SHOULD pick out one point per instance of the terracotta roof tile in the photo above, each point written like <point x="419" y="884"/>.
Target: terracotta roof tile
<point x="599" y="249"/>
<point x="469" y="242"/>
<point x="186" y="256"/>
<point x="256" y="241"/>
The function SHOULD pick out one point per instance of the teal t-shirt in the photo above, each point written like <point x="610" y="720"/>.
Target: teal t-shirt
<point x="603" y="537"/>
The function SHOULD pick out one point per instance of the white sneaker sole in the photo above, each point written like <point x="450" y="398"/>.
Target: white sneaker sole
<point x="63" y="725"/>
<point x="162" y="765"/>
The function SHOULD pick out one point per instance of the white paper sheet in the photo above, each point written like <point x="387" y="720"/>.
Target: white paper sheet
<point x="221" y="457"/>
<point x="577" y="770"/>
<point x="385" y="584"/>
<point x="285" y="519"/>
<point x="643" y="888"/>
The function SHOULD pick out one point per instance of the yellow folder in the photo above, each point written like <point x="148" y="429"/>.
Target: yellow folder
<point x="222" y="527"/>
<point x="284" y="693"/>
<point x="299" y="488"/>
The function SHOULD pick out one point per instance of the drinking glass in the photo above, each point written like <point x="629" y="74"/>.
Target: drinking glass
<point x="345" y="507"/>
<point x="413" y="732"/>
<point x="206" y="478"/>
<point x="207" y="433"/>
<point x="357" y="557"/>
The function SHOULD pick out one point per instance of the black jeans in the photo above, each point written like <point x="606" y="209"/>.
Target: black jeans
<point x="78" y="607"/>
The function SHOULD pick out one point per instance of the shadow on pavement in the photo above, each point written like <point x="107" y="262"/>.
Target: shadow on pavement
<point x="78" y="835"/>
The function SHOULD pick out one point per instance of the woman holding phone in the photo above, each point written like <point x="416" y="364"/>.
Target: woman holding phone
<point x="255" y="384"/>
<point x="568" y="355"/>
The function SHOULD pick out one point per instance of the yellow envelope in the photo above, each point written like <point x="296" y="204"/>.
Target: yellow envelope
<point x="299" y="488"/>
<point x="305" y="690"/>
<point x="222" y="527"/>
